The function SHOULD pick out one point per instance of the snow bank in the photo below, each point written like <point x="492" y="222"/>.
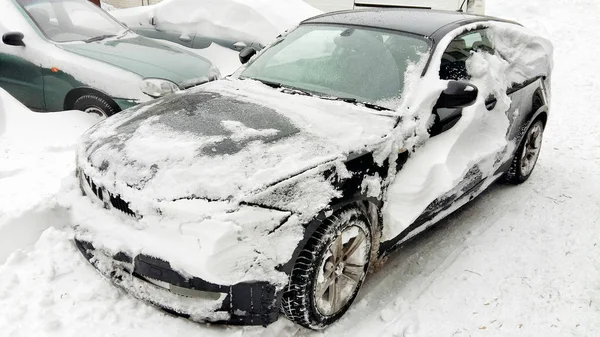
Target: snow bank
<point x="36" y="153"/>
<point x="236" y="20"/>
<point x="441" y="163"/>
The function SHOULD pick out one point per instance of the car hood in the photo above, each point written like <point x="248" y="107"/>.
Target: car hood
<point x="145" y="57"/>
<point x="224" y="140"/>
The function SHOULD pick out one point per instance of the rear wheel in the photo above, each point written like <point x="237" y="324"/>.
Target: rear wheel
<point x="329" y="271"/>
<point x="96" y="105"/>
<point x="527" y="155"/>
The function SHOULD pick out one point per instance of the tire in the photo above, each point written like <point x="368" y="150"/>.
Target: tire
<point x="527" y="155"/>
<point x="308" y="298"/>
<point x="96" y="105"/>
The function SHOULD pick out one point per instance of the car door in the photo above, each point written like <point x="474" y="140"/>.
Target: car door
<point x="454" y="67"/>
<point x="20" y="75"/>
<point x="452" y="166"/>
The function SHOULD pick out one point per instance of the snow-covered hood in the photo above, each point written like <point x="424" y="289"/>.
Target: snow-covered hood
<point x="226" y="140"/>
<point x="146" y="57"/>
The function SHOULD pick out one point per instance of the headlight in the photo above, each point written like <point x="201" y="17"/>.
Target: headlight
<point x="156" y="87"/>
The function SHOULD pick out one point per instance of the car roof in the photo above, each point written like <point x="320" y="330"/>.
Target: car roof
<point x="424" y="22"/>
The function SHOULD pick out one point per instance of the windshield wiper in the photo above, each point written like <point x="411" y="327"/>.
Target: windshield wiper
<point x="296" y="91"/>
<point x="284" y="88"/>
<point x="99" y="38"/>
<point x="357" y="102"/>
<point x="269" y="83"/>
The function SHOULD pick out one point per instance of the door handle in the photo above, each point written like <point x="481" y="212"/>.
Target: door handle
<point x="490" y="102"/>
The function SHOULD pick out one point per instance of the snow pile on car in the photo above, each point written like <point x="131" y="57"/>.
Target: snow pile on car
<point x="442" y="162"/>
<point x="238" y="20"/>
<point x="36" y="153"/>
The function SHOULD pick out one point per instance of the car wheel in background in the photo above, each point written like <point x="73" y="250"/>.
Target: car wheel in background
<point x="527" y="155"/>
<point x="329" y="270"/>
<point x="95" y="105"/>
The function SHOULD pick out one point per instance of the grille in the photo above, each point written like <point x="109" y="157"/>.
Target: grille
<point x="108" y="198"/>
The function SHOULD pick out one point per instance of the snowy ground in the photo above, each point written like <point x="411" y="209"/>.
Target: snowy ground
<point x="518" y="261"/>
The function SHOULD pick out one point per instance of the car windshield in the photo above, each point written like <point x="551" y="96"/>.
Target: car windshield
<point x="71" y="20"/>
<point x="350" y="63"/>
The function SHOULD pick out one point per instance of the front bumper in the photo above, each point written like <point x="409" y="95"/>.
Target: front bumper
<point x="154" y="280"/>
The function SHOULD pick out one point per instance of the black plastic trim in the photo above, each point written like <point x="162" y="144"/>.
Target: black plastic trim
<point x="248" y="303"/>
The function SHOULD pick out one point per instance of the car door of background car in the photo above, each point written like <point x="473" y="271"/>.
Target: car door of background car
<point x="20" y="75"/>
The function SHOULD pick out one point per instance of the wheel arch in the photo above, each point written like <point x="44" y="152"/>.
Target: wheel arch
<point x="76" y="93"/>
<point x="371" y="208"/>
<point x="539" y="107"/>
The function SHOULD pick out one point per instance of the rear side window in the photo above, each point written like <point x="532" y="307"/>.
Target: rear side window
<point x="454" y="66"/>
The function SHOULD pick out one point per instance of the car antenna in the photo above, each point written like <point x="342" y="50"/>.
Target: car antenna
<point x="461" y="7"/>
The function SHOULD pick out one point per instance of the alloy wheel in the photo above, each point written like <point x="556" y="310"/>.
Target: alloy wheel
<point x="342" y="270"/>
<point x="531" y="150"/>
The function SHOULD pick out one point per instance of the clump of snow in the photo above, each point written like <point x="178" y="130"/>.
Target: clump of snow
<point x="237" y="20"/>
<point x="242" y="132"/>
<point x="371" y="186"/>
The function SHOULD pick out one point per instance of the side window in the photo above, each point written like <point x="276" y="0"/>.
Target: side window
<point x="454" y="66"/>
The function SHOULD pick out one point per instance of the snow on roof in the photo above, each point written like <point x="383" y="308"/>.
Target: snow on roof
<point x="240" y="20"/>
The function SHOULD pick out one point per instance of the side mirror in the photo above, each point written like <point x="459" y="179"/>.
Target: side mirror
<point x="13" y="39"/>
<point x="458" y="94"/>
<point x="247" y="53"/>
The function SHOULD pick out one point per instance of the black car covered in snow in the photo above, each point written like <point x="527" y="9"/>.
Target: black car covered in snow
<point x="278" y="189"/>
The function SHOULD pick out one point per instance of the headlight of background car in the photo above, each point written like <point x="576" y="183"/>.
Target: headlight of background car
<point x="156" y="87"/>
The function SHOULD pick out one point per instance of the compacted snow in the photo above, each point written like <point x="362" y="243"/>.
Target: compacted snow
<point x="518" y="261"/>
<point x="239" y="20"/>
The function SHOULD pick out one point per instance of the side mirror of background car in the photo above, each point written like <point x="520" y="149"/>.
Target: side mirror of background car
<point x="13" y="39"/>
<point x="458" y="94"/>
<point x="247" y="53"/>
<point x="239" y="45"/>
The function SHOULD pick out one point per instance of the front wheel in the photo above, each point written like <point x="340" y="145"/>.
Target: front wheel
<point x="95" y="105"/>
<point x="527" y="155"/>
<point x="329" y="271"/>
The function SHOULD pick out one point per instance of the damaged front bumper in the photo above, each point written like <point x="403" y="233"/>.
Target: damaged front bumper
<point x="153" y="280"/>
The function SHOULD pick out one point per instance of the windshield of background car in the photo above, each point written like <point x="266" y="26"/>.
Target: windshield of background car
<point x="71" y="20"/>
<point x="346" y="62"/>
